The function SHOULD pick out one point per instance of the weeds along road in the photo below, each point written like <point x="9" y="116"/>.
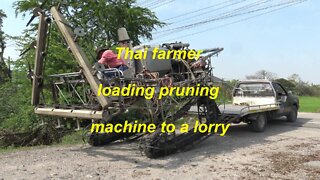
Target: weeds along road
<point x="284" y="150"/>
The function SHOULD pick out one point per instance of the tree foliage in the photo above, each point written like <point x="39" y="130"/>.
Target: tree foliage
<point x="293" y="83"/>
<point x="288" y="84"/>
<point x="4" y="71"/>
<point x="100" y="20"/>
<point x="262" y="74"/>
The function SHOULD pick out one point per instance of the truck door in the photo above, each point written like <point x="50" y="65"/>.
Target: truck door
<point x="281" y="96"/>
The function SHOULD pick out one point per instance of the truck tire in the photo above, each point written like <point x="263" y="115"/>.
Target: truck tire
<point x="292" y="117"/>
<point x="259" y="124"/>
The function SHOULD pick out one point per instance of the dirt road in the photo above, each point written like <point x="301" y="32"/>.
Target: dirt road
<point x="284" y="150"/>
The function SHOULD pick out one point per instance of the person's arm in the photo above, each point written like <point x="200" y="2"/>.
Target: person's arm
<point x="104" y="62"/>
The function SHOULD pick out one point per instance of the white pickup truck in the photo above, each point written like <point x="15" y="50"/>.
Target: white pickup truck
<point x="256" y="101"/>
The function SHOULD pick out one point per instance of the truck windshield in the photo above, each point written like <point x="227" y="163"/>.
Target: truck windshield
<point x="254" y="89"/>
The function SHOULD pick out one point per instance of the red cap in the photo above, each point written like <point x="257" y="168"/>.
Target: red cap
<point x="107" y="55"/>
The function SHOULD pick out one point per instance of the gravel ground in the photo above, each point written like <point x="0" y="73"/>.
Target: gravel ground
<point x="283" y="151"/>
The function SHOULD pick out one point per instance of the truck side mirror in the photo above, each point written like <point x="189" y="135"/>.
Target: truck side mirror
<point x="290" y="92"/>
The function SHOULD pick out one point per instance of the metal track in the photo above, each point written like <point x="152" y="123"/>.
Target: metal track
<point x="160" y="144"/>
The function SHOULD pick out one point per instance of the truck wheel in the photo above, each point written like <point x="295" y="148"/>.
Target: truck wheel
<point x="259" y="124"/>
<point x="292" y="117"/>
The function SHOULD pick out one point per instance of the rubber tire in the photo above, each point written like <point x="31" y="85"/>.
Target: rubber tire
<point x="260" y="123"/>
<point x="292" y="117"/>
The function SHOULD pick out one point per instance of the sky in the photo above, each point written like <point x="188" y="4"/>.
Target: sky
<point x="283" y="42"/>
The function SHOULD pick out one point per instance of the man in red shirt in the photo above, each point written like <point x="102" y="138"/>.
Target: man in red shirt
<point x="109" y="59"/>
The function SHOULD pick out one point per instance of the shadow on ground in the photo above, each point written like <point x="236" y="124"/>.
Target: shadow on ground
<point x="238" y="136"/>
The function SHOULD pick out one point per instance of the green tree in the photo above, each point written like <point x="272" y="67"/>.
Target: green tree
<point x="304" y="88"/>
<point x="295" y="78"/>
<point x="288" y="85"/>
<point x="4" y="71"/>
<point x="99" y="19"/>
<point x="262" y="74"/>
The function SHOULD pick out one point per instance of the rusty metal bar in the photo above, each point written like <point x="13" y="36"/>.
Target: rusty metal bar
<point x="78" y="54"/>
<point x="82" y="114"/>
<point x="38" y="64"/>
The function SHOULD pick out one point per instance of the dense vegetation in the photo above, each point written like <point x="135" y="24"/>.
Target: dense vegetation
<point x="309" y="94"/>
<point x="293" y="83"/>
<point x="100" y="21"/>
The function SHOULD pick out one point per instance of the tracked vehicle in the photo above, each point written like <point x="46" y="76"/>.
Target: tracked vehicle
<point x="74" y="94"/>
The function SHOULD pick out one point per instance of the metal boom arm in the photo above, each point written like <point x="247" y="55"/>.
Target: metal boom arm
<point x="38" y="64"/>
<point x="78" y="54"/>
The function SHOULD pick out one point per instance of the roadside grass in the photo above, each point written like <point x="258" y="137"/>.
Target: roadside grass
<point x="14" y="149"/>
<point x="72" y="138"/>
<point x="309" y="104"/>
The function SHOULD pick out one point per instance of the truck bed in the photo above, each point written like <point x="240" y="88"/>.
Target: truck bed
<point x="243" y="110"/>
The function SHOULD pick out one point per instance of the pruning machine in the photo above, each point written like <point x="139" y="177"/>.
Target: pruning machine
<point x="74" y="94"/>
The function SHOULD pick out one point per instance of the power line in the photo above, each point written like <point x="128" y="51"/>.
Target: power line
<point x="205" y="13"/>
<point x="257" y="3"/>
<point x="162" y="4"/>
<point x="143" y="2"/>
<point x="195" y="11"/>
<point x="185" y="27"/>
<point x="147" y="3"/>
<point x="218" y="17"/>
<point x="234" y="22"/>
<point x="153" y="3"/>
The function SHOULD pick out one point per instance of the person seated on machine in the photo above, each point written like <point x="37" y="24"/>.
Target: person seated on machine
<point x="110" y="60"/>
